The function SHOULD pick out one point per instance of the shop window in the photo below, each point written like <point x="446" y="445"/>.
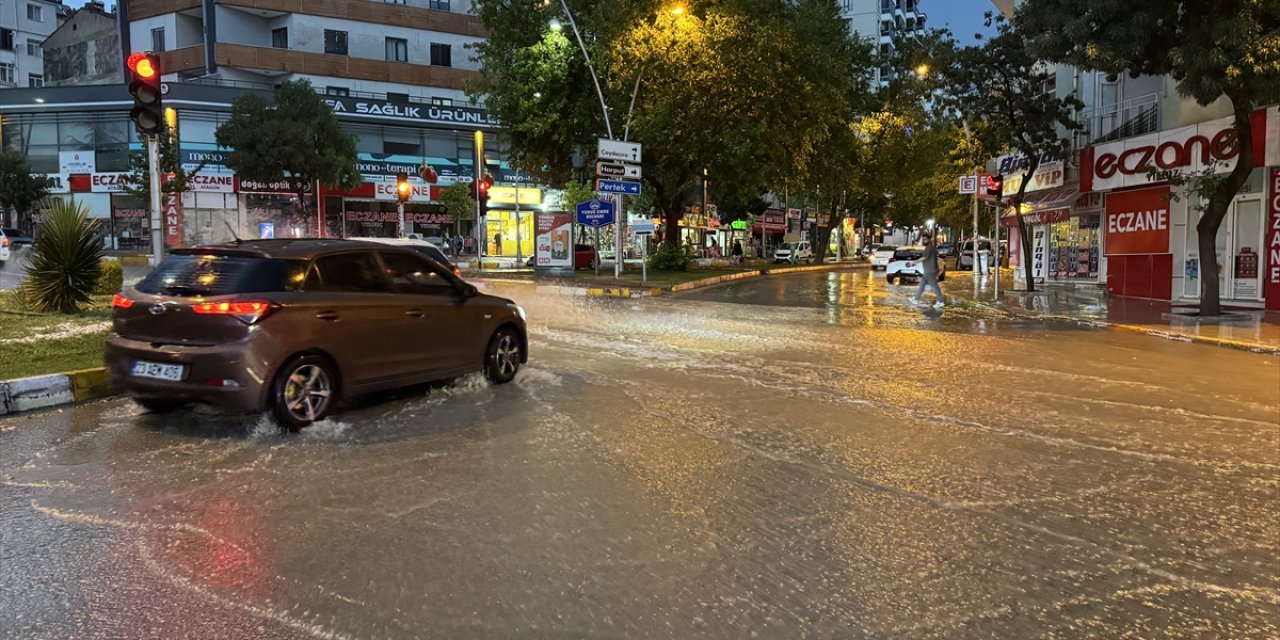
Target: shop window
<point x="401" y="148"/>
<point x="441" y="55"/>
<point x="335" y="42"/>
<point x="397" y="97"/>
<point x="280" y="38"/>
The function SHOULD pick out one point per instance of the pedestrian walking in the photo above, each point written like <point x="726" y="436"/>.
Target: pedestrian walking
<point x="737" y="252"/>
<point x="497" y="244"/>
<point x="929" y="272"/>
<point x="466" y="244"/>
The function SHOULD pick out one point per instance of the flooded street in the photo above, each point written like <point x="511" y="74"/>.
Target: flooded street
<point x="785" y="457"/>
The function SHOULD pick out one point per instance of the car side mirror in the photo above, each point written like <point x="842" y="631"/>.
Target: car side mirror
<point x="466" y="291"/>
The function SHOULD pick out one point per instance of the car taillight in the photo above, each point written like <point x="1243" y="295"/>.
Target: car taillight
<point x="246" y="311"/>
<point x="120" y="302"/>
<point x="4" y="241"/>
<point x="457" y="272"/>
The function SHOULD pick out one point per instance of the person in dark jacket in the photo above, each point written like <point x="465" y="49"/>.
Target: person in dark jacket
<point x="929" y="272"/>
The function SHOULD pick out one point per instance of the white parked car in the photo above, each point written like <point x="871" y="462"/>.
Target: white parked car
<point x="881" y="255"/>
<point x="906" y="265"/>
<point x="4" y="248"/>
<point x="803" y="252"/>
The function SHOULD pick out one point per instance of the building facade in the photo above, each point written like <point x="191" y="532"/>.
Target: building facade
<point x="880" y="22"/>
<point x="24" y="24"/>
<point x="393" y="73"/>
<point x="84" y="49"/>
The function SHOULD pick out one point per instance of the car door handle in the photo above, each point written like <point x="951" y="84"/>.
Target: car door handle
<point x="327" y="315"/>
<point x="414" y="313"/>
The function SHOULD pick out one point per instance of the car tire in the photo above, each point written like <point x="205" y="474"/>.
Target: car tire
<point x="304" y="391"/>
<point x="502" y="356"/>
<point x="890" y="279"/>
<point x="159" y="405"/>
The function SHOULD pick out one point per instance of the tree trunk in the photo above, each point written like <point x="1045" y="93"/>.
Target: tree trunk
<point x="1033" y="163"/>
<point x="822" y="237"/>
<point x="1216" y="211"/>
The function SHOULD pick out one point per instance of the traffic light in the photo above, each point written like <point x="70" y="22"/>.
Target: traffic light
<point x="148" y="112"/>
<point x="482" y="193"/>
<point x="403" y="190"/>
<point x="995" y="185"/>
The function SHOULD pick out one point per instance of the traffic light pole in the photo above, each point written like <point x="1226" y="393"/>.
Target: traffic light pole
<point x="400" y="220"/>
<point x="157" y="216"/>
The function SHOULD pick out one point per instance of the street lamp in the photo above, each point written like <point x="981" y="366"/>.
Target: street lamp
<point x="922" y="70"/>
<point x="555" y="25"/>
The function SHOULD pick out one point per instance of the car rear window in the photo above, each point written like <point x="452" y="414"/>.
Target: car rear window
<point x="217" y="275"/>
<point x="907" y="254"/>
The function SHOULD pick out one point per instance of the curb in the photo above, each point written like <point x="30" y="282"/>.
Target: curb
<point x="1251" y="347"/>
<point x="39" y="392"/>
<point x="650" y="292"/>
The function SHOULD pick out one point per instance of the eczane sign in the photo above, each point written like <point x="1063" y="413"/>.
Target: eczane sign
<point x="1155" y="157"/>
<point x="1138" y="222"/>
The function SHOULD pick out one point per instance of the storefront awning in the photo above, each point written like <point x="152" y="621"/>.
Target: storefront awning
<point x="1045" y="207"/>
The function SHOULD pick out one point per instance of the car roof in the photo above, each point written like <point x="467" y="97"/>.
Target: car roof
<point x="406" y="242"/>
<point x="280" y="248"/>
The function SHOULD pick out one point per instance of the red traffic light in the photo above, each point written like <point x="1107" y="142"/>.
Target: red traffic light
<point x="994" y="185"/>
<point x="143" y="66"/>
<point x="486" y="182"/>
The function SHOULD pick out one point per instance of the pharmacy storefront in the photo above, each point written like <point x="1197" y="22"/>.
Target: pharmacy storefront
<point x="1150" y="241"/>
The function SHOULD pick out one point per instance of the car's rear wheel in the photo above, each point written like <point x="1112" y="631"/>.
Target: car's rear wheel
<point x="159" y="405"/>
<point x="304" y="392"/>
<point x="889" y="278"/>
<point x="502" y="358"/>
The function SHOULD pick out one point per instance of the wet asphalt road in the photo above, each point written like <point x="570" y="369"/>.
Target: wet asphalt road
<point x="789" y="457"/>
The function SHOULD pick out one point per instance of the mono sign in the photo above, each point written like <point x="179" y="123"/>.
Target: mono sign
<point x="385" y="110"/>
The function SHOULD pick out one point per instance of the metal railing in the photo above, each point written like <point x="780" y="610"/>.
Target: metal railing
<point x="1132" y="117"/>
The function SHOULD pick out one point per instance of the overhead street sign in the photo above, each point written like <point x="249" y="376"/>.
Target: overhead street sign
<point x="617" y="150"/>
<point x="618" y="186"/>
<point x="595" y="213"/>
<point x="617" y="170"/>
<point x="968" y="184"/>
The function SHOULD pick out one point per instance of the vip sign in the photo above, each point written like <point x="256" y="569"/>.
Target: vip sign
<point x="1138" y="222"/>
<point x="1271" y="283"/>
<point x="1044" y="178"/>
<point x="172" y="220"/>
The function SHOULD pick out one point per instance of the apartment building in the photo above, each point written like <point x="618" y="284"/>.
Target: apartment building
<point x="395" y="74"/>
<point x="880" y="21"/>
<point x="1083" y="214"/>
<point x="24" y="24"/>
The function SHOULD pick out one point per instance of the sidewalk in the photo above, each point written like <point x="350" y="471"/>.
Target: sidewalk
<point x="1250" y="330"/>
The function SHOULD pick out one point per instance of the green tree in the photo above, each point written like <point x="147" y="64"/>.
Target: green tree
<point x="1000" y="88"/>
<point x="294" y="139"/>
<point x="1214" y="49"/>
<point x="174" y="179"/>
<point x="20" y="190"/>
<point x="457" y="198"/>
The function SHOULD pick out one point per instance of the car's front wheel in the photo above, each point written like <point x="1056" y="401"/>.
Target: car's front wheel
<point x="304" y="392"/>
<point x="889" y="278"/>
<point x="502" y="358"/>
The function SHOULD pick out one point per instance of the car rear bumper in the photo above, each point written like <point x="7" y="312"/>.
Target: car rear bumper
<point x="205" y="367"/>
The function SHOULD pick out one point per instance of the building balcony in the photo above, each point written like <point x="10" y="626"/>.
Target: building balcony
<point x="1133" y="117"/>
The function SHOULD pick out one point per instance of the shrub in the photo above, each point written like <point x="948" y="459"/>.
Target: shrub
<point x="111" y="279"/>
<point x="65" y="265"/>
<point x="671" y="259"/>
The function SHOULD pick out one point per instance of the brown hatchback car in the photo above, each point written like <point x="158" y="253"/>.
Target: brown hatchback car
<point x="295" y="326"/>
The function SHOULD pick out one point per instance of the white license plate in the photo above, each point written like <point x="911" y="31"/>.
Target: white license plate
<point x="144" y="369"/>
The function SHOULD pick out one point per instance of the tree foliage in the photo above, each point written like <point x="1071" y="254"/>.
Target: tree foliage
<point x="174" y="179"/>
<point x="295" y="139"/>
<point x="1213" y="48"/>
<point x="20" y="190"/>
<point x="1000" y="87"/>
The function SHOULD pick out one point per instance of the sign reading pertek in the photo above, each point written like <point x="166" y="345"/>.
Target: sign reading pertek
<point x="618" y="186"/>
<point x="595" y="213"/>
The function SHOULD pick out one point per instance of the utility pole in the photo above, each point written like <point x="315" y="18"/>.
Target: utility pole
<point x="157" y="225"/>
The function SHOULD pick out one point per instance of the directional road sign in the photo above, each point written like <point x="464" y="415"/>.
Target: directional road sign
<point x="617" y="150"/>
<point x="595" y="213"/>
<point x="642" y="228"/>
<point x="618" y="186"/>
<point x="617" y="170"/>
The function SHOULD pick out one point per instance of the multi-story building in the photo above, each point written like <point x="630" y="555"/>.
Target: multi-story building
<point x="1136" y="134"/>
<point x="24" y="24"/>
<point x="880" y="22"/>
<point x="395" y="74"/>
<point x="84" y="49"/>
